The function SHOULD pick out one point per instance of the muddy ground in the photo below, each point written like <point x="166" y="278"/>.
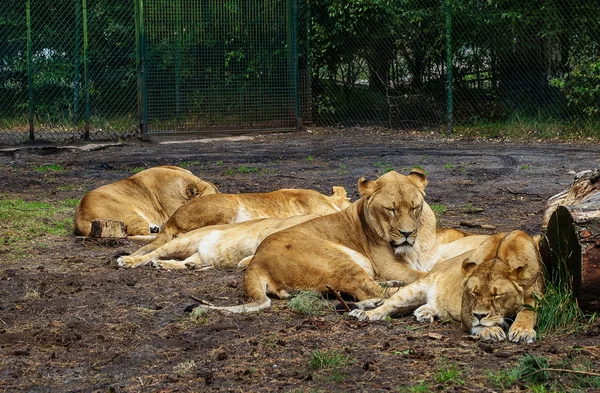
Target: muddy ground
<point x="71" y="320"/>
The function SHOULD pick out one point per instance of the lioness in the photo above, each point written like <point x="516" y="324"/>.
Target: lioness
<point x="143" y="201"/>
<point x="482" y="288"/>
<point x="220" y="246"/>
<point x="388" y="234"/>
<point x="230" y="208"/>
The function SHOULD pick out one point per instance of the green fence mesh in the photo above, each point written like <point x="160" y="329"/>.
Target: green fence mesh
<point x="220" y="65"/>
<point x="103" y="69"/>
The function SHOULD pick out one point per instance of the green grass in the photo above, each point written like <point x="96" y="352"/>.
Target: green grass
<point x="386" y="167"/>
<point x="438" y="208"/>
<point x="24" y="221"/>
<point x="310" y="157"/>
<point x="308" y="302"/>
<point x="448" y="372"/>
<point x="137" y="169"/>
<point x="525" y="166"/>
<point x="448" y="166"/>
<point x="328" y="360"/>
<point x="421" y="387"/>
<point x="527" y="128"/>
<point x="187" y="164"/>
<point x="45" y="168"/>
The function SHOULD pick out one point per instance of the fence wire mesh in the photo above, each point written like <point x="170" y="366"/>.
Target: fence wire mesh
<point x="99" y="69"/>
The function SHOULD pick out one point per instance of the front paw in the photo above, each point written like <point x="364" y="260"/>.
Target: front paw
<point x="154" y="228"/>
<point x="425" y="314"/>
<point x="521" y="334"/>
<point x="493" y="333"/>
<point x="359" y="314"/>
<point x="124" y="262"/>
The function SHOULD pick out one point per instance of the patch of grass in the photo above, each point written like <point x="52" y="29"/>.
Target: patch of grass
<point x="199" y="315"/>
<point x="438" y="208"/>
<point x="187" y="164"/>
<point x="308" y="302"/>
<point x="310" y="157"/>
<point x="525" y="166"/>
<point x="185" y="368"/>
<point x="268" y="171"/>
<point x="327" y="360"/>
<point x="448" y="166"/>
<point x="28" y="220"/>
<point x="70" y="187"/>
<point x="45" y="168"/>
<point x="448" y="372"/>
<point x="220" y="162"/>
<point x="384" y="166"/>
<point x="247" y="169"/>
<point x="422" y="387"/>
<point x="137" y="169"/>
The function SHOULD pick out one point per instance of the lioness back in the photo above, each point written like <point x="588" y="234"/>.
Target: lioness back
<point x="142" y="201"/>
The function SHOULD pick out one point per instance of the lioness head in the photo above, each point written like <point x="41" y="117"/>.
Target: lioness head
<point x="496" y="277"/>
<point x="393" y="207"/>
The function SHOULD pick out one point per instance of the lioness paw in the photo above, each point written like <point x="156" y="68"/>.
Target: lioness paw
<point x="425" y="314"/>
<point x="124" y="261"/>
<point x="154" y="228"/>
<point x="493" y="333"/>
<point x="359" y="314"/>
<point x="521" y="334"/>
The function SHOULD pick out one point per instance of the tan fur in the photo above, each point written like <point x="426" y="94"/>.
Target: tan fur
<point x="230" y="208"/>
<point x="143" y="200"/>
<point x="481" y="288"/>
<point x="218" y="246"/>
<point x="448" y="235"/>
<point x="388" y="234"/>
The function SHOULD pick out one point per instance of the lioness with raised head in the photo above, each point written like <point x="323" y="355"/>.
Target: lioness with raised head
<point x="483" y="288"/>
<point x="143" y="201"/>
<point x="230" y="208"/>
<point x="219" y="246"/>
<point x="388" y="234"/>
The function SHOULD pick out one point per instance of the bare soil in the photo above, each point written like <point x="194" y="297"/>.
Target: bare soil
<point x="72" y="321"/>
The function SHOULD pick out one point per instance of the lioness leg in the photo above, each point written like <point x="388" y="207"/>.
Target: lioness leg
<point x="522" y="329"/>
<point x="136" y="225"/>
<point x="178" y="248"/>
<point x="406" y="299"/>
<point x="192" y="262"/>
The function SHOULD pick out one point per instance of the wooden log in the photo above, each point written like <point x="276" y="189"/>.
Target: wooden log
<point x="107" y="229"/>
<point x="571" y="239"/>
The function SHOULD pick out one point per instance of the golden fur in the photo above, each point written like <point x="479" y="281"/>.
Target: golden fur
<point x="482" y="288"/>
<point x="230" y="208"/>
<point x="388" y="234"/>
<point x="219" y="246"/>
<point x="143" y="201"/>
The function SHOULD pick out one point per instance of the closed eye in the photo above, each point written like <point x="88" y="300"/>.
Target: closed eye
<point x="391" y="210"/>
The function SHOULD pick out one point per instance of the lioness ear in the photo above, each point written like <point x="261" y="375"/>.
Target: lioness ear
<point x="468" y="266"/>
<point x="191" y="191"/>
<point x="366" y="187"/>
<point x="418" y="177"/>
<point x="339" y="191"/>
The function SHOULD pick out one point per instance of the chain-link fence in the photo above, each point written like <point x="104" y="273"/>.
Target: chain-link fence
<point x="108" y="68"/>
<point x="386" y="63"/>
<point x="67" y="70"/>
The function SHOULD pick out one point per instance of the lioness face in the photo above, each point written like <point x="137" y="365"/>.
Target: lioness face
<point x="490" y="297"/>
<point x="394" y="212"/>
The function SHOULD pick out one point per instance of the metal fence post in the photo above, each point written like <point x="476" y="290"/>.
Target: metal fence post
<point x="30" y="71"/>
<point x="141" y="72"/>
<point x="86" y="134"/>
<point x="449" y="92"/>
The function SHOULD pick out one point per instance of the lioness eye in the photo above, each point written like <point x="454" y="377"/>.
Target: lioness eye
<point x="391" y="210"/>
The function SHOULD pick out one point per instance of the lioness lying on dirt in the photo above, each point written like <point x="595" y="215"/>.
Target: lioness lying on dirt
<point x="219" y="246"/>
<point x="230" y="208"/>
<point x="388" y="234"/>
<point x="483" y="288"/>
<point x="143" y="201"/>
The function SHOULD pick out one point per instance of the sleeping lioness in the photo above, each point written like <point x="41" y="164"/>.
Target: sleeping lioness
<point x="388" y="234"/>
<point x="230" y="208"/>
<point x="483" y="288"/>
<point x="143" y="201"/>
<point x="219" y="246"/>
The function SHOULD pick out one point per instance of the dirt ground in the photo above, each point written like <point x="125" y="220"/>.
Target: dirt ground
<point x="94" y="327"/>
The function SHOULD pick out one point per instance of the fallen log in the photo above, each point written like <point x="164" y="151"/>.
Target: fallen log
<point x="570" y="240"/>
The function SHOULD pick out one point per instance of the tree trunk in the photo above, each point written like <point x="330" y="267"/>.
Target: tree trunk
<point x="571" y="240"/>
<point x="108" y="228"/>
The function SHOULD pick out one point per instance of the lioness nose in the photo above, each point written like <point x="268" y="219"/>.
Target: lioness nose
<point x="480" y="316"/>
<point x="406" y="234"/>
